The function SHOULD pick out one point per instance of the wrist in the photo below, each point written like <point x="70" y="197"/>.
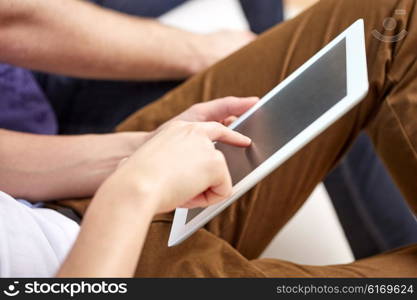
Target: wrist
<point x="109" y="149"/>
<point x="197" y="43"/>
<point x="130" y="192"/>
<point x="97" y="157"/>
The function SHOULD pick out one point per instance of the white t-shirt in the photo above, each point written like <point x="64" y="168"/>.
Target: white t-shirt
<point x="33" y="241"/>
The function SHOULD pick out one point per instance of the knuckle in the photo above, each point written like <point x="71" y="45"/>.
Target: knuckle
<point x="219" y="158"/>
<point x="215" y="162"/>
<point x="184" y="127"/>
<point x="177" y="123"/>
<point x="229" y="190"/>
<point x="215" y="125"/>
<point x="194" y="127"/>
<point x="231" y="98"/>
<point x="196" y="107"/>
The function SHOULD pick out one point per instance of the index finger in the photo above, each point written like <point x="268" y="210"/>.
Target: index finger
<point x="218" y="110"/>
<point x="220" y="133"/>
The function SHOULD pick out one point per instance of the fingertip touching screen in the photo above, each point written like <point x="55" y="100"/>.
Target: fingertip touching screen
<point x="287" y="114"/>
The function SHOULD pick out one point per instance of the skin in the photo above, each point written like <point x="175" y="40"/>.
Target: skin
<point x="131" y="186"/>
<point x="76" y="38"/>
<point x="145" y="185"/>
<point x="57" y="167"/>
<point x="62" y="36"/>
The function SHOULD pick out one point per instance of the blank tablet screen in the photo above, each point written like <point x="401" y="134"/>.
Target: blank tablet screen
<point x="287" y="114"/>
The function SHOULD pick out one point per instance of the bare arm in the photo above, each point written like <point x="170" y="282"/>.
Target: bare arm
<point x="40" y="168"/>
<point x="120" y="213"/>
<point x="147" y="183"/>
<point x="76" y="38"/>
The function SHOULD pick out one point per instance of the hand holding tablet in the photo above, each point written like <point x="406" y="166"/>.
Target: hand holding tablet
<point x="301" y="107"/>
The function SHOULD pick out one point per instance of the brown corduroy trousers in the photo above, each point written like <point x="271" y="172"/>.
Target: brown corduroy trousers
<point x="230" y="244"/>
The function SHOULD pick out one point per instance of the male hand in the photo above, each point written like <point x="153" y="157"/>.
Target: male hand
<point x="224" y="110"/>
<point x="179" y="164"/>
<point x="213" y="47"/>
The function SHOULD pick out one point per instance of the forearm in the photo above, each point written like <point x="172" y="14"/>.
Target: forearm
<point x="112" y="234"/>
<point x="80" y="39"/>
<point x="39" y="168"/>
<point x="115" y="225"/>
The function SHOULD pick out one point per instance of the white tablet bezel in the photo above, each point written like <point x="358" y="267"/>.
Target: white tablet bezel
<point x="357" y="88"/>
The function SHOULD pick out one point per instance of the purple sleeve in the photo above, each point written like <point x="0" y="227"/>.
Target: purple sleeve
<point x="23" y="106"/>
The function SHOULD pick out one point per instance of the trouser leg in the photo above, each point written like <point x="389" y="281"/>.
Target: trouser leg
<point x="230" y="243"/>
<point x="361" y="191"/>
<point x="388" y="111"/>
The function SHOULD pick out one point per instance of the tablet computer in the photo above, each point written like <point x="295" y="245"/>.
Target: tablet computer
<point x="296" y="111"/>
